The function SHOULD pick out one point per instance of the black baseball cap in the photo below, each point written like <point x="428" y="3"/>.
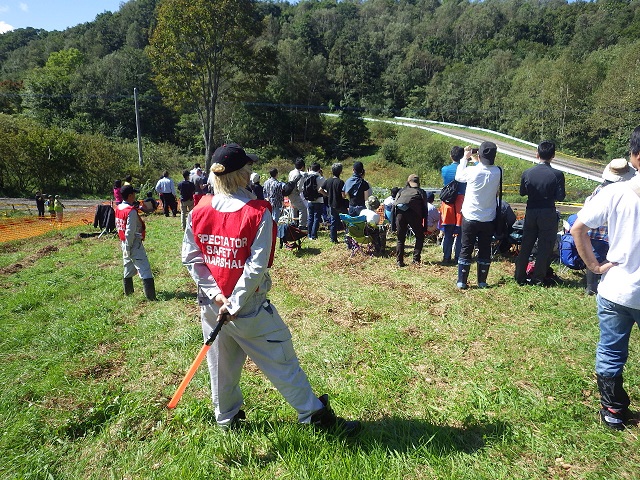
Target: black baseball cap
<point x="229" y="158"/>
<point x="128" y="190"/>
<point x="487" y="152"/>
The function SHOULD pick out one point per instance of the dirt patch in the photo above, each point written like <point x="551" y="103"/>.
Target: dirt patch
<point x="101" y="370"/>
<point x="28" y="261"/>
<point x="354" y="317"/>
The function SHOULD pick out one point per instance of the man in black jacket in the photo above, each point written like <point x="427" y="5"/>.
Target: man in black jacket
<point x="543" y="186"/>
<point x="411" y="209"/>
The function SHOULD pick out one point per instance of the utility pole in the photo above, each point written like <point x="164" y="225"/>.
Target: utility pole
<point x="135" y="101"/>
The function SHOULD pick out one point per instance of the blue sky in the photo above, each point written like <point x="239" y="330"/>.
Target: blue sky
<point x="51" y="14"/>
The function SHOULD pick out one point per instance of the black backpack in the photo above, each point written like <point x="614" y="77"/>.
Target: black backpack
<point x="310" y="187"/>
<point x="289" y="187"/>
<point x="449" y="192"/>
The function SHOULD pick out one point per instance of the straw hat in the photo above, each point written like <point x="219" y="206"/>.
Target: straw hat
<point x="618" y="170"/>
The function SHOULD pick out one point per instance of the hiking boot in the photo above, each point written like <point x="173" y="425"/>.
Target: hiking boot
<point x="325" y="419"/>
<point x="614" y="419"/>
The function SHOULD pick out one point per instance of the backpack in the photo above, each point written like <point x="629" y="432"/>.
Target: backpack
<point x="289" y="187"/>
<point x="449" y="192"/>
<point x="410" y="198"/>
<point x="569" y="253"/>
<point x="310" y="187"/>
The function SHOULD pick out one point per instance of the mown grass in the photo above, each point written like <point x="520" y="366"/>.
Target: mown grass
<point x="493" y="383"/>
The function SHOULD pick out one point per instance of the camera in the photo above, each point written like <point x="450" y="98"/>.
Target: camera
<point x="474" y="151"/>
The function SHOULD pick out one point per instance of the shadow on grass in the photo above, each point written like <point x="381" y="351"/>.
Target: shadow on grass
<point x="405" y="435"/>
<point x="175" y="295"/>
<point x="399" y="435"/>
<point x="307" y="251"/>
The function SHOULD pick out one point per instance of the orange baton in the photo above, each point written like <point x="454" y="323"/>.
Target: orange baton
<point x="197" y="361"/>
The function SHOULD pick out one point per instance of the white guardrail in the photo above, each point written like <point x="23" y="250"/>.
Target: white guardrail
<point x="501" y="149"/>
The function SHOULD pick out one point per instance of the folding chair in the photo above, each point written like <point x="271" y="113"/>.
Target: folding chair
<point x="359" y="234"/>
<point x="291" y="236"/>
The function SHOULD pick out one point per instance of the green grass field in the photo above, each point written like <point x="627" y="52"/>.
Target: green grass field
<point x="476" y="384"/>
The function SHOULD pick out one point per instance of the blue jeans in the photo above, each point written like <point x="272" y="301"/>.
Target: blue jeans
<point x="276" y="213"/>
<point x="616" y="322"/>
<point x="447" y="242"/>
<point x="314" y="210"/>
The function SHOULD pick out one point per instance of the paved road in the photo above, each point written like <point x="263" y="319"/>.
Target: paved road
<point x="585" y="168"/>
<point x="576" y="166"/>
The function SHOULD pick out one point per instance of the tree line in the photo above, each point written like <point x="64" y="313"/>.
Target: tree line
<point x="261" y="73"/>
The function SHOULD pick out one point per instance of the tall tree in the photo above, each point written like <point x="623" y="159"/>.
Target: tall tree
<point x="199" y="51"/>
<point x="48" y="88"/>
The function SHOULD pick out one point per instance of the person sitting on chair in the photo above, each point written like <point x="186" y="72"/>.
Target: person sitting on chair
<point x="433" y="214"/>
<point x="149" y="204"/>
<point x="370" y="212"/>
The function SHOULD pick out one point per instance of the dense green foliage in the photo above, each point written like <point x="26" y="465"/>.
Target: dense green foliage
<point x="200" y="56"/>
<point x="54" y="160"/>
<point x="533" y="69"/>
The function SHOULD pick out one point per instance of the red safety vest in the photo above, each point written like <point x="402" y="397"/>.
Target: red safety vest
<point x="122" y="215"/>
<point x="225" y="238"/>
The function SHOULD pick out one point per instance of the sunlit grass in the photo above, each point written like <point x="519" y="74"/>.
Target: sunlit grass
<point x="493" y="383"/>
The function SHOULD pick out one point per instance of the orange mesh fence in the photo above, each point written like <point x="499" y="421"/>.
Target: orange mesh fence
<point x="18" y="228"/>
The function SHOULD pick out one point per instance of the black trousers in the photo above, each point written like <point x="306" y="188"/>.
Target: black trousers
<point x="541" y="226"/>
<point x="403" y="221"/>
<point x="169" y="202"/>
<point x="472" y="232"/>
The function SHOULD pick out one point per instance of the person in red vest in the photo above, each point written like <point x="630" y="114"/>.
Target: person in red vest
<point x="131" y="230"/>
<point x="228" y="247"/>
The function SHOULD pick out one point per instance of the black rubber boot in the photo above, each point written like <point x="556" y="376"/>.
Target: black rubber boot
<point x="149" y="288"/>
<point x="615" y="402"/>
<point x="483" y="273"/>
<point x="400" y="255"/>
<point x="128" y="285"/>
<point x="592" y="283"/>
<point x="463" y="276"/>
<point x="325" y="419"/>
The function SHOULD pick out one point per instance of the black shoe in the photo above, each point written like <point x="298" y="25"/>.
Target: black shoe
<point x="236" y="422"/>
<point x="615" y="420"/>
<point x="325" y="419"/>
<point x="400" y="264"/>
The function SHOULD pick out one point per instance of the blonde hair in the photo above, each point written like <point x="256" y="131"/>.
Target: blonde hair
<point x="230" y="183"/>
